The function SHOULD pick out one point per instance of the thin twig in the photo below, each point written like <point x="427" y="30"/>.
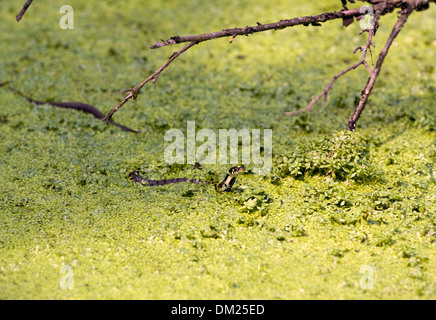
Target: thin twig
<point x="371" y="81"/>
<point x="323" y="93"/>
<point x="23" y="11"/>
<point x="364" y="49"/>
<point x="154" y="77"/>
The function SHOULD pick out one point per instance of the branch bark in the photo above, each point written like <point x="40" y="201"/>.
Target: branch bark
<point x="133" y="93"/>
<point x="23" y="11"/>
<point x="371" y="81"/>
<point x="381" y="7"/>
<point x="308" y="20"/>
<point x="364" y="49"/>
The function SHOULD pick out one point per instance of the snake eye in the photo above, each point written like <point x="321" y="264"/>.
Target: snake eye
<point x="236" y="170"/>
<point x="239" y="169"/>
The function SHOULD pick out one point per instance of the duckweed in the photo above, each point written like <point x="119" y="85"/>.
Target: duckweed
<point x="334" y="204"/>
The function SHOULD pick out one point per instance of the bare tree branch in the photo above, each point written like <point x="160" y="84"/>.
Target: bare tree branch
<point x="323" y="93"/>
<point x="313" y="20"/>
<point x="381" y="7"/>
<point x="133" y="93"/>
<point x="23" y="11"/>
<point x="371" y="81"/>
<point x="364" y="49"/>
<point x="308" y="20"/>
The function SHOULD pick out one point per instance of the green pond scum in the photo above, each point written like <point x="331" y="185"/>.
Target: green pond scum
<point x="341" y="215"/>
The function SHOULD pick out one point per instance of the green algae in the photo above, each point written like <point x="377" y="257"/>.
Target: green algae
<point x="66" y="200"/>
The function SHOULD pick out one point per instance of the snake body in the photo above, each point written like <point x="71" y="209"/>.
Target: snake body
<point x="72" y="105"/>
<point x="223" y="186"/>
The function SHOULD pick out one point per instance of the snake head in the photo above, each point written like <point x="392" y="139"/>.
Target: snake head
<point x="230" y="179"/>
<point x="234" y="171"/>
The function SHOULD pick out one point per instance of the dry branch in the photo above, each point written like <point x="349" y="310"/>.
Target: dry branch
<point x="364" y="49"/>
<point x="308" y="20"/>
<point x="371" y="81"/>
<point x="380" y="7"/>
<point x="23" y="11"/>
<point x="154" y="77"/>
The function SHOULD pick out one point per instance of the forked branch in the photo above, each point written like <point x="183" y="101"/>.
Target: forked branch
<point x="364" y="49"/>
<point x="371" y="81"/>
<point x="380" y="7"/>
<point x="133" y="93"/>
<point x="309" y="20"/>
